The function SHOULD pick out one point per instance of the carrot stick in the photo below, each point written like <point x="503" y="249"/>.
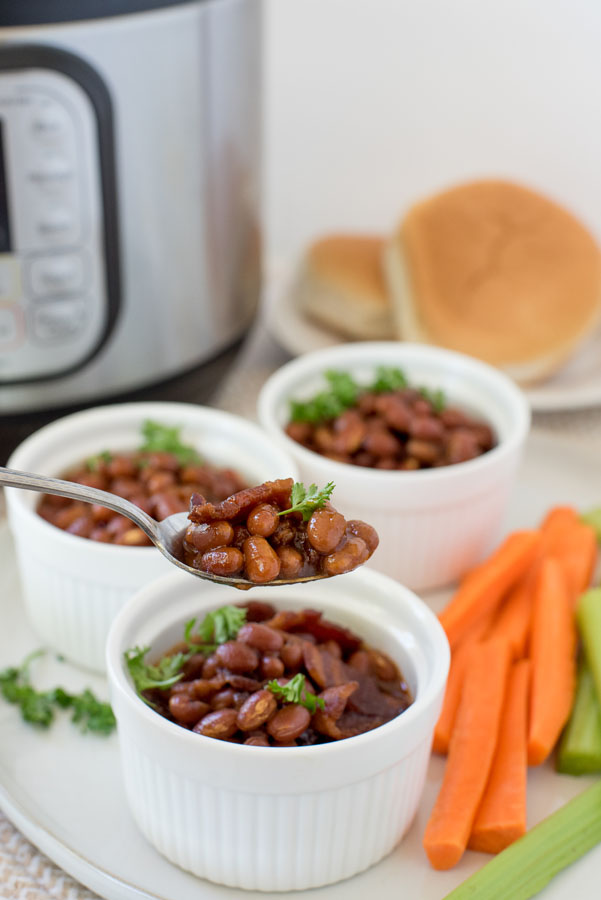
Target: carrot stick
<point x="578" y="553"/>
<point x="512" y="620"/>
<point x="482" y="591"/>
<point x="501" y="816"/>
<point x="552" y="651"/>
<point x="450" y="705"/>
<point x="565" y="535"/>
<point x="470" y="754"/>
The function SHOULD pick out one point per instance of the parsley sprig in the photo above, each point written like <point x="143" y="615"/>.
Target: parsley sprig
<point x="93" y="463"/>
<point x="344" y="391"/>
<point x="307" y="501"/>
<point x="295" y="691"/>
<point x="166" y="439"/>
<point x="39" y="707"/>
<point x="216" y="628"/>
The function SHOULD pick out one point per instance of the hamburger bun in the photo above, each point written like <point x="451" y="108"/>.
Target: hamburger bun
<point x="496" y="271"/>
<point x="341" y="285"/>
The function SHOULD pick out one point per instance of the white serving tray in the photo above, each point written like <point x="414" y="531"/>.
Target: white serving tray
<point x="63" y="789"/>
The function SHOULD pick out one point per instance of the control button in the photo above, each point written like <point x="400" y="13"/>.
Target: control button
<point x="48" y="122"/>
<point x="58" y="321"/>
<point x="54" y="170"/>
<point x="11" y="330"/>
<point x="9" y="278"/>
<point x="56" y="224"/>
<point x="55" y="274"/>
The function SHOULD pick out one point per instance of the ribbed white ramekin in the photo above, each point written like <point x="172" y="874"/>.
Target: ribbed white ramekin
<point x="276" y="819"/>
<point x="73" y="587"/>
<point x="434" y="523"/>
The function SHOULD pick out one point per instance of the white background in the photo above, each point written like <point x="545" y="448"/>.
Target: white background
<point x="371" y="104"/>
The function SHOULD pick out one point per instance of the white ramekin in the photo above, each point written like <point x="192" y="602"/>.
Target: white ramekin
<point x="73" y="587"/>
<point x="276" y="819"/>
<point x="436" y="523"/>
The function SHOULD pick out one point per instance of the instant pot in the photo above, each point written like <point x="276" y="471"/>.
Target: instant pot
<point x="129" y="194"/>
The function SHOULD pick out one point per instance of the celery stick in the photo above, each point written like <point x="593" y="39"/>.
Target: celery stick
<point x="589" y="623"/>
<point x="593" y="518"/>
<point x="580" y="747"/>
<point x="525" y="867"/>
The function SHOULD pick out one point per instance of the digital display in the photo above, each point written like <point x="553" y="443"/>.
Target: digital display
<point x="5" y="245"/>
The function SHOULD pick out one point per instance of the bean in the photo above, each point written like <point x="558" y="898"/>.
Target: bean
<point x="452" y="418"/>
<point x="386" y="462"/>
<point x="324" y="439"/>
<point x="206" y="687"/>
<point x="94" y="480"/>
<point x="118" y="525"/>
<point x="364" y="531"/>
<point x="291" y="561"/>
<point x="237" y="657"/>
<point x="225" y="561"/>
<point x="221" y="723"/>
<point x="208" y="536"/>
<point x="65" y="517"/>
<point x="82" y="526"/>
<point x="125" y="487"/>
<point x="325" y="529"/>
<point x="185" y="710"/>
<point x="122" y="467"/>
<point x="133" y="537"/>
<point x="259" y="739"/>
<point x="422" y="407"/>
<point x="299" y="431"/>
<point x="101" y="513"/>
<point x="289" y="722"/>
<point x="223" y="699"/>
<point x="166" y="505"/>
<point x="292" y="654"/>
<point x="382" y="443"/>
<point x="210" y="667"/>
<point x="426" y="452"/>
<point x="349" y="432"/>
<point x="258" y="610"/>
<point x="359" y="660"/>
<point x="160" y="481"/>
<point x="243" y="682"/>
<point x="427" y="428"/>
<point x="261" y="561"/>
<point x="239" y="698"/>
<point x="461" y="446"/>
<point x="263" y="520"/>
<point x="272" y="667"/>
<point x="395" y="412"/>
<point x="260" y="636"/>
<point x="348" y="557"/>
<point x="382" y="666"/>
<point x="256" y="710"/>
<point x="100" y="535"/>
<point x="194" y="665"/>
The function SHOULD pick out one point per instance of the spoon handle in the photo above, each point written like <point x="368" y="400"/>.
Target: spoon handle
<point x="30" y="481"/>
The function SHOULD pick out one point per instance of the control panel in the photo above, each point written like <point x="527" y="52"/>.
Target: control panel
<point x="57" y="299"/>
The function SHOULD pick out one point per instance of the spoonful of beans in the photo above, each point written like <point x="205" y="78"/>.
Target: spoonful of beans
<point x="276" y="533"/>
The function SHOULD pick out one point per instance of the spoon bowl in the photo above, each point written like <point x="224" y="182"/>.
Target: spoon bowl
<point x="167" y="535"/>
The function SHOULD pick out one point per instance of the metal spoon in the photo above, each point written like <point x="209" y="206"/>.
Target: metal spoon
<point x="167" y="535"/>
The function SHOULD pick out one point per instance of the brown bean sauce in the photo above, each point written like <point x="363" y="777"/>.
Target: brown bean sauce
<point x="396" y="430"/>
<point x="156" y="482"/>
<point x="359" y="687"/>
<point x="250" y="534"/>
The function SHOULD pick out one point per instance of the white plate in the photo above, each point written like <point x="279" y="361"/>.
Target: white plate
<point x="576" y="386"/>
<point x="63" y="789"/>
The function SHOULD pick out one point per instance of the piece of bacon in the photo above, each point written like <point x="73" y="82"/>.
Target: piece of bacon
<point x="238" y="506"/>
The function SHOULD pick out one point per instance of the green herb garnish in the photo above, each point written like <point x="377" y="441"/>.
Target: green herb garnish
<point x="164" y="439"/>
<point x="219" y="626"/>
<point x="344" y="392"/>
<point x="93" y="462"/>
<point x="38" y="707"/>
<point x="436" y="398"/>
<point x="307" y="501"/>
<point x="216" y="628"/>
<point x="163" y="675"/>
<point x="388" y="378"/>
<point x="295" y="691"/>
